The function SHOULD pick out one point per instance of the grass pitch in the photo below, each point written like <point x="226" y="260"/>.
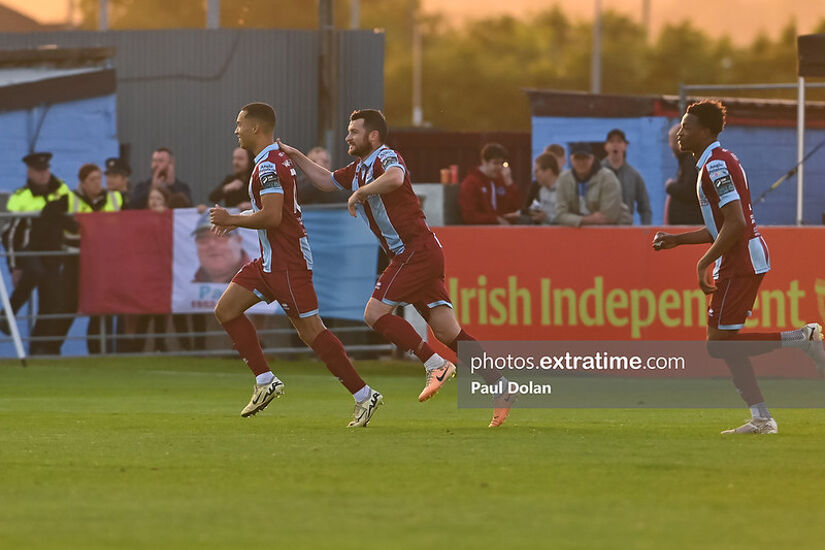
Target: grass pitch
<point x="152" y="453"/>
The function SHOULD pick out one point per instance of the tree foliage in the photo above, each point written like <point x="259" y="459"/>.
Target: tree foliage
<point x="474" y="74"/>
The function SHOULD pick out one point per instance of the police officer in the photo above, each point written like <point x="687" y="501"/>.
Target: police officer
<point x="30" y="235"/>
<point x="117" y="177"/>
<point x="90" y="196"/>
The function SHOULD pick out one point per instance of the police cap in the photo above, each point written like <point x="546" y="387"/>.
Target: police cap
<point x="117" y="166"/>
<point x="38" y="161"/>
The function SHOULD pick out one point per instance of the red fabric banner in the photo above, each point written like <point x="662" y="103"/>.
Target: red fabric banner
<point x="135" y="273"/>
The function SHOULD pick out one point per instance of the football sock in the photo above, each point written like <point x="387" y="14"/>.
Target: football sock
<point x="744" y="379"/>
<point x="760" y="410"/>
<point x="434" y="362"/>
<point x="264" y="378"/>
<point x="245" y="339"/>
<point x="331" y="351"/>
<point x="792" y="338"/>
<point x="489" y="376"/>
<point x="361" y="394"/>
<point x="402" y="334"/>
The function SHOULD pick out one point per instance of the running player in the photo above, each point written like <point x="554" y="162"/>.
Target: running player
<point x="382" y="195"/>
<point x="282" y="273"/>
<point x="740" y="256"/>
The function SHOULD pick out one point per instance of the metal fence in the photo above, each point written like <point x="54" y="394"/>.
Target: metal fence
<point x="275" y="331"/>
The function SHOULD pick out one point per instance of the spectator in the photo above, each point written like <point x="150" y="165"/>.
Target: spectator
<point x="546" y="172"/>
<point x="308" y="193"/>
<point x="533" y="194"/>
<point x="683" y="204"/>
<point x="89" y="196"/>
<point x="488" y="194"/>
<point x="634" y="192"/>
<point x="35" y="235"/>
<point x="117" y="177"/>
<point x="588" y="193"/>
<point x="233" y="190"/>
<point x="163" y="175"/>
<point x="557" y="151"/>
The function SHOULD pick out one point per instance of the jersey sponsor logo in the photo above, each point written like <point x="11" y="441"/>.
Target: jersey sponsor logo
<point x="388" y="158"/>
<point x="720" y="176"/>
<point x="268" y="175"/>
<point x="724" y="185"/>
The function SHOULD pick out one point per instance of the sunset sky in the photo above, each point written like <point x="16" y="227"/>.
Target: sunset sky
<point x="751" y="15"/>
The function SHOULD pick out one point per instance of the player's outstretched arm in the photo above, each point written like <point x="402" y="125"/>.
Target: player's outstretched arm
<point x="269" y="216"/>
<point x="319" y="176"/>
<point x="664" y="241"/>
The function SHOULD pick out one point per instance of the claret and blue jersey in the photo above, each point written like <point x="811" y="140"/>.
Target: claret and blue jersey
<point x="722" y="180"/>
<point x="396" y="217"/>
<point x="286" y="246"/>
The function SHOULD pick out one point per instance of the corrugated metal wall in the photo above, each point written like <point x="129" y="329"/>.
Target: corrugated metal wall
<point x="182" y="88"/>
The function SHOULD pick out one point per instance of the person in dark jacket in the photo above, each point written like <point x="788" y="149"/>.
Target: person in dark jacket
<point x="682" y="202"/>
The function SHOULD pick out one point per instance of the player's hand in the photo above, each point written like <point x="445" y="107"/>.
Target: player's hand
<point x="354" y="199"/>
<point x="287" y="149"/>
<point x="705" y="281"/>
<point x="218" y="215"/>
<point x="663" y="241"/>
<point x="223" y="230"/>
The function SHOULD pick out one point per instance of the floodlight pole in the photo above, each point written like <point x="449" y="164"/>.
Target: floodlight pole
<point x="213" y="14"/>
<point x="596" y="60"/>
<point x="103" y="15"/>
<point x="355" y="14"/>
<point x="800" y="149"/>
<point x="417" y="112"/>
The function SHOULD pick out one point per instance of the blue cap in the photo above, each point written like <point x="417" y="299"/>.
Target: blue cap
<point x="581" y="148"/>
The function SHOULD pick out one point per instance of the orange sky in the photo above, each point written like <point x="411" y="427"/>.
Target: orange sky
<point x="751" y="15"/>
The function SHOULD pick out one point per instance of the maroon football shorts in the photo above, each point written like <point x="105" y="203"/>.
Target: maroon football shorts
<point x="293" y="290"/>
<point x="416" y="276"/>
<point x="733" y="301"/>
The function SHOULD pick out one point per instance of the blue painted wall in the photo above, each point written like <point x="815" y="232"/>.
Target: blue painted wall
<point x="766" y="154"/>
<point x="76" y="132"/>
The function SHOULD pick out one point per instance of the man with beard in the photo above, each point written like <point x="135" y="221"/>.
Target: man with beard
<point x="283" y="273"/>
<point x="382" y="195"/>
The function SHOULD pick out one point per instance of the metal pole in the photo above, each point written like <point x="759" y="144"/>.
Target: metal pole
<point x="800" y="148"/>
<point x="417" y="114"/>
<point x="646" y="16"/>
<point x="328" y="108"/>
<point x="213" y="14"/>
<point x="15" y="334"/>
<point x="355" y="14"/>
<point x="103" y="16"/>
<point x="596" y="62"/>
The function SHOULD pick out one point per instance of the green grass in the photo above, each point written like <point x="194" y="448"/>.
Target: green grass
<point x="151" y="453"/>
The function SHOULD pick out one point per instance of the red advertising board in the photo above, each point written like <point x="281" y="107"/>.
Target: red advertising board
<point x="607" y="283"/>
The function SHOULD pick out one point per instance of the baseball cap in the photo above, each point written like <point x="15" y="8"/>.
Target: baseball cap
<point x="203" y="224"/>
<point x="615" y="132"/>
<point x="117" y="166"/>
<point x="581" y="148"/>
<point x="38" y="161"/>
